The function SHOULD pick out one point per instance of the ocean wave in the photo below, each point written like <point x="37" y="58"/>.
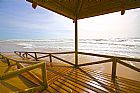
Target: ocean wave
<point x="129" y="46"/>
<point x="25" y="45"/>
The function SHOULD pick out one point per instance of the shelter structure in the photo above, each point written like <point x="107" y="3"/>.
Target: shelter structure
<point x="40" y="72"/>
<point x="80" y="9"/>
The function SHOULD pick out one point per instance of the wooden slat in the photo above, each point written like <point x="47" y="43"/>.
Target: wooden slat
<point x="62" y="60"/>
<point x="97" y="62"/>
<point x="108" y="56"/>
<point x="31" y="55"/>
<point x="42" y="56"/>
<point x="129" y="66"/>
<point x="17" y="72"/>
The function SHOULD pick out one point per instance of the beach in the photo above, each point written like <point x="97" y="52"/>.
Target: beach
<point x="115" y="47"/>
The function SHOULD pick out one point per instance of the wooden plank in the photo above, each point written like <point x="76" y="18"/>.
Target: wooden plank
<point x="30" y="90"/>
<point x="97" y="62"/>
<point x="28" y="62"/>
<point x="94" y="79"/>
<point x="108" y="56"/>
<point x="32" y="75"/>
<point x="31" y="55"/>
<point x="129" y="66"/>
<point x="42" y="56"/>
<point x="17" y="72"/>
<point x="63" y="60"/>
<point x="70" y="52"/>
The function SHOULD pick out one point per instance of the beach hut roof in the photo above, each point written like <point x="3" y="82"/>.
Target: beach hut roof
<point x="79" y="9"/>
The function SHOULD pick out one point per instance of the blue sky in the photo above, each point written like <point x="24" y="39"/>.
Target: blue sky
<point x="18" y="20"/>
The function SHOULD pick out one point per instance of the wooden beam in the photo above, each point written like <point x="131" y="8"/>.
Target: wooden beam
<point x="97" y="62"/>
<point x="43" y="56"/>
<point x="55" y="7"/>
<point x="129" y="66"/>
<point x="31" y="90"/>
<point x="31" y="55"/>
<point x="32" y="74"/>
<point x="108" y="56"/>
<point x="79" y="6"/>
<point x="62" y="60"/>
<point x="22" y="70"/>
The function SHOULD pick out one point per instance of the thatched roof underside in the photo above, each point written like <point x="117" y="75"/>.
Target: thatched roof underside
<point x="79" y="9"/>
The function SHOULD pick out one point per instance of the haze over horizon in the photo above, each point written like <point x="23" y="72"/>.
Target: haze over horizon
<point x="18" y="20"/>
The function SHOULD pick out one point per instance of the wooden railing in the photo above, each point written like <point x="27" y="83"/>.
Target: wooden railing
<point x="21" y="69"/>
<point x="113" y="59"/>
<point x="34" y="55"/>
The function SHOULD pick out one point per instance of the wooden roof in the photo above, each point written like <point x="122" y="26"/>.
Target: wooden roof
<point x="79" y="9"/>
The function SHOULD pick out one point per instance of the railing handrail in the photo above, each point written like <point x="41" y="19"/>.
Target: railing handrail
<point x="48" y="52"/>
<point x="91" y="54"/>
<point x="35" y="65"/>
<point x="113" y="59"/>
<point x="108" y="56"/>
<point x="20" y="71"/>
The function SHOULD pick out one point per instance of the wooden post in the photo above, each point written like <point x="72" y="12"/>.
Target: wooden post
<point x="26" y="55"/>
<point x="114" y="67"/>
<point x="20" y="53"/>
<point x="50" y="58"/>
<point x="76" y="43"/>
<point x="18" y="65"/>
<point x="7" y="60"/>
<point x="36" y="56"/>
<point x="44" y="77"/>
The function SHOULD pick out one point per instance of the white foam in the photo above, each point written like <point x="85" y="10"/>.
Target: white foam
<point x="25" y="45"/>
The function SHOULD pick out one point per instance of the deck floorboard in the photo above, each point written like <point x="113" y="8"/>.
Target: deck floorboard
<point x="67" y="79"/>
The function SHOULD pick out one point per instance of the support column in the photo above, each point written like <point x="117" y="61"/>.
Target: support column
<point x="114" y="68"/>
<point x="76" y="44"/>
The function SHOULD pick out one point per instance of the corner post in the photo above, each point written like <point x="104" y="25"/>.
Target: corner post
<point x="76" y="43"/>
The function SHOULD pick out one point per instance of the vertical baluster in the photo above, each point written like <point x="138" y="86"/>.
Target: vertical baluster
<point x="26" y="55"/>
<point x="50" y="58"/>
<point x="36" y="56"/>
<point x="20" y="53"/>
<point x="114" y="67"/>
<point x="7" y="61"/>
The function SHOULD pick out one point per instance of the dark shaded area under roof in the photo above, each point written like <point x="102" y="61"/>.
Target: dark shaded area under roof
<point x="80" y="9"/>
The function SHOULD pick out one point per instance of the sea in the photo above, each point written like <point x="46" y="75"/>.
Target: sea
<point x="128" y="47"/>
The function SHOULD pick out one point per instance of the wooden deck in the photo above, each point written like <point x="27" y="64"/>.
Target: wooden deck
<point x="62" y="78"/>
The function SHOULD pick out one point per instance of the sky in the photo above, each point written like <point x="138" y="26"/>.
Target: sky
<point x="18" y="20"/>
